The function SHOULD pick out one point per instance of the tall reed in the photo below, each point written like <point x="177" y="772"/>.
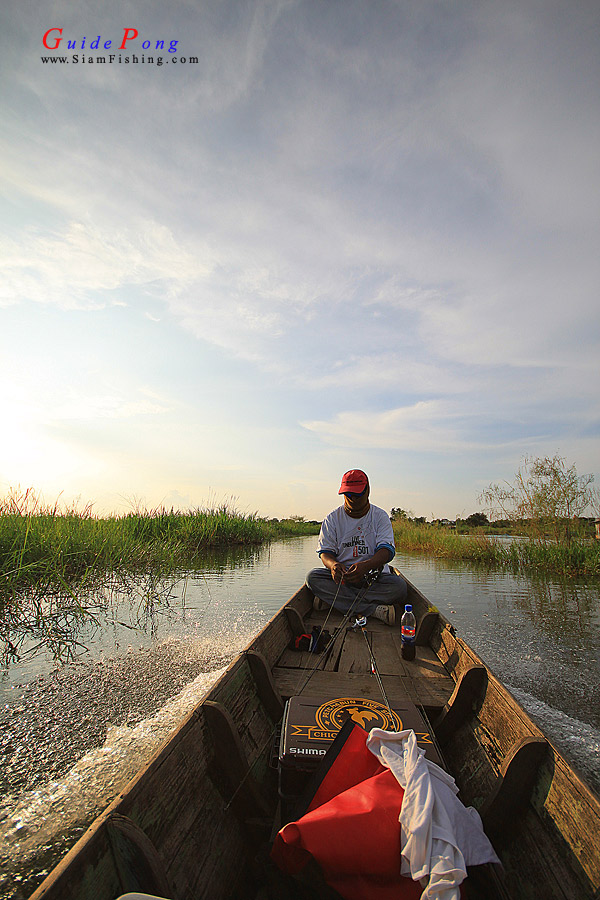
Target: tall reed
<point x="577" y="557"/>
<point x="46" y="550"/>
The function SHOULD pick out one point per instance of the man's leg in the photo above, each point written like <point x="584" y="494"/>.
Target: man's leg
<point x="389" y="589"/>
<point x="386" y="590"/>
<point x="341" y="596"/>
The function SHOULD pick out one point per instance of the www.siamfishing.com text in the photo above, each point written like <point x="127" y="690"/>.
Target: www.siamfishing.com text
<point x="78" y="58"/>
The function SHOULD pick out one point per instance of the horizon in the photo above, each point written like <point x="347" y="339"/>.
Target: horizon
<point x="315" y="237"/>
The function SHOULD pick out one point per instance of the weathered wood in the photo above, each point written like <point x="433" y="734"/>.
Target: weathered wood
<point x="88" y="871"/>
<point x="431" y="693"/>
<point x="229" y="767"/>
<point x="180" y="807"/>
<point x="560" y="797"/>
<point x="464" y="702"/>
<point x="386" y="650"/>
<point x="355" y="654"/>
<point x="139" y="865"/>
<point x="268" y="691"/>
<point x="273" y="638"/>
<point x="302" y="600"/>
<point x="549" y="849"/>
<point x="298" y="659"/>
<point x="295" y="620"/>
<point x="333" y="656"/>
<point x="237" y="693"/>
<point x="512" y="791"/>
<point x="425" y="627"/>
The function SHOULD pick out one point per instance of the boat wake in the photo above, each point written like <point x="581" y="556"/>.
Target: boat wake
<point x="40" y="819"/>
<point x="578" y="741"/>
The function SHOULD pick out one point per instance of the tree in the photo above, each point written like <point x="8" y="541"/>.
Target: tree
<point x="545" y="493"/>
<point x="476" y="519"/>
<point x="398" y="514"/>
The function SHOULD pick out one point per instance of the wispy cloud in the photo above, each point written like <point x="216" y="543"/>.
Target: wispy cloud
<point x="79" y="266"/>
<point x="388" y="214"/>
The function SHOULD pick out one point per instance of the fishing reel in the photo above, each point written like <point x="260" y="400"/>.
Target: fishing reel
<point x="372" y="576"/>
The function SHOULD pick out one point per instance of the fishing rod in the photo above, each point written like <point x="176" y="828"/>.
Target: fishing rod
<point x="370" y="578"/>
<point x="362" y="624"/>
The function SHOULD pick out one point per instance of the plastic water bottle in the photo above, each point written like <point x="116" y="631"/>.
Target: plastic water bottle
<point x="408" y="624"/>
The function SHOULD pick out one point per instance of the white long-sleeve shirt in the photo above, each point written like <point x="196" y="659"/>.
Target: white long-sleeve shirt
<point x="440" y="837"/>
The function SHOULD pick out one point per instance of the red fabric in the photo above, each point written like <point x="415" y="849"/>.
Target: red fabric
<point x="351" y="829"/>
<point x="355" y="763"/>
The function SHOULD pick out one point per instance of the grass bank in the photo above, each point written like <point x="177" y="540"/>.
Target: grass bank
<point x="46" y="550"/>
<point x="534" y="552"/>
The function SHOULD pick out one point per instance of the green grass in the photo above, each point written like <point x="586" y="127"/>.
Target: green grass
<point x="47" y="551"/>
<point x="580" y="556"/>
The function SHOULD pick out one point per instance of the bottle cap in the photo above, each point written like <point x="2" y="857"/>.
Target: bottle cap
<point x="408" y="607"/>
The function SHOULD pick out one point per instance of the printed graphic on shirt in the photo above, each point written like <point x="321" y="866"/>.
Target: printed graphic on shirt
<point x="357" y="544"/>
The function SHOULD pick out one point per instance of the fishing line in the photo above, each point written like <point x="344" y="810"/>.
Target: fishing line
<point x="360" y="596"/>
<point x="251" y="766"/>
<point x="346" y="619"/>
<point x="375" y="671"/>
<point x="210" y="598"/>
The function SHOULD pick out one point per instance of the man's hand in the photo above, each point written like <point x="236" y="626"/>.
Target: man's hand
<point x="338" y="572"/>
<point x="357" y="571"/>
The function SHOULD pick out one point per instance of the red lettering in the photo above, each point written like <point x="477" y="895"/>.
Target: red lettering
<point x="56" y="40"/>
<point x="130" y="35"/>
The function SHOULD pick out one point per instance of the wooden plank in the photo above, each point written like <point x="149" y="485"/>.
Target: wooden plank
<point x="295" y="620"/>
<point x="466" y="699"/>
<point x="425" y="628"/>
<point x="265" y="685"/>
<point x="561" y="798"/>
<point x="273" y="639"/>
<point x="512" y="791"/>
<point x="534" y="866"/>
<point x="386" y="652"/>
<point x="355" y="654"/>
<point x="432" y="693"/>
<point x="297" y="659"/>
<point x="161" y="806"/>
<point x="333" y="657"/>
<point x="88" y="871"/>
<point x="213" y="863"/>
<point x="229" y="767"/>
<point x="302" y="600"/>
<point x="139" y="865"/>
<point x="238" y="694"/>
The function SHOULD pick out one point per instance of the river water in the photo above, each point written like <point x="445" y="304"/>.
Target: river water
<point x="72" y="736"/>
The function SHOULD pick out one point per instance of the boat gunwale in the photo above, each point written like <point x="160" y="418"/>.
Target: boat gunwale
<point x="301" y="600"/>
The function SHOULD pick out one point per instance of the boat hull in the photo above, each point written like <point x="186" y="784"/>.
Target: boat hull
<point x="195" y="820"/>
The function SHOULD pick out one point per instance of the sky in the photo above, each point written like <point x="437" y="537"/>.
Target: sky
<point x="318" y="235"/>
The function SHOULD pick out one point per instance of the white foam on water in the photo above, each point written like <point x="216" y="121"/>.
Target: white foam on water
<point x="578" y="741"/>
<point x="41" y="817"/>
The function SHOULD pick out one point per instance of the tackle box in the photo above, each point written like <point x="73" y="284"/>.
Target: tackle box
<point x="310" y="724"/>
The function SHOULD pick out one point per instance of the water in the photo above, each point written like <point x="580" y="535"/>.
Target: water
<point x="71" y="737"/>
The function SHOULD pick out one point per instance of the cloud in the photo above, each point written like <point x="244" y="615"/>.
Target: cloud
<point x="424" y="426"/>
<point x="106" y="407"/>
<point x="389" y="215"/>
<point x="78" y="267"/>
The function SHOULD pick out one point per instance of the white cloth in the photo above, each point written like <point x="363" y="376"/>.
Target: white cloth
<point x="354" y="539"/>
<point x="440" y="837"/>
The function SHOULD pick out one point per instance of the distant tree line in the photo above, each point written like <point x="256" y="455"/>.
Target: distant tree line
<point x="546" y="499"/>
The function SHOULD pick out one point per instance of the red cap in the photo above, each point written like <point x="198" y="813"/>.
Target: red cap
<point x="353" y="482"/>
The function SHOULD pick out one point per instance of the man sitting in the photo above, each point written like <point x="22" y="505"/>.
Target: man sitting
<point x="356" y="538"/>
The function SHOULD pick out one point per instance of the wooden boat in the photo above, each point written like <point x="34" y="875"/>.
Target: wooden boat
<point x="194" y="823"/>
